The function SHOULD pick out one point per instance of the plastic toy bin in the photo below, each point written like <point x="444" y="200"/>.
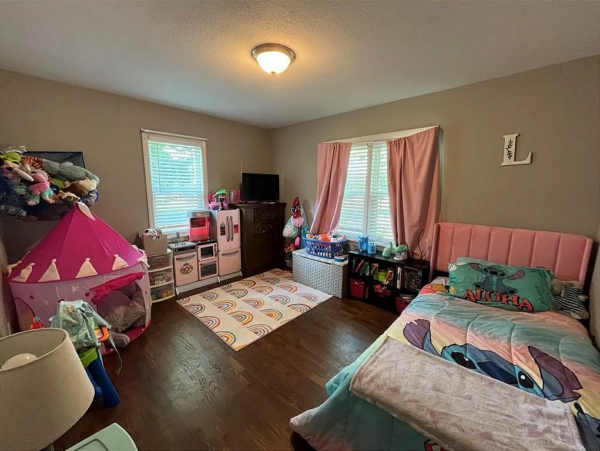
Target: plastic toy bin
<point x="162" y="292"/>
<point x="160" y="260"/>
<point x="324" y="249"/>
<point x="161" y="277"/>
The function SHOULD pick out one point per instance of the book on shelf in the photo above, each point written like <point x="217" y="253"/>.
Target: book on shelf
<point x="399" y="278"/>
<point x="413" y="278"/>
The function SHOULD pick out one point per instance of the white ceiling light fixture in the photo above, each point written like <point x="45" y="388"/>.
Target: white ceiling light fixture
<point x="273" y="58"/>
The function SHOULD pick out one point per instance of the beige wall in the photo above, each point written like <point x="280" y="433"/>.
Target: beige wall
<point x="45" y="115"/>
<point x="556" y="110"/>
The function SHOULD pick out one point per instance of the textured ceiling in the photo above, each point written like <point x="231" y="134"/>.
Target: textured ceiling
<point x="350" y="54"/>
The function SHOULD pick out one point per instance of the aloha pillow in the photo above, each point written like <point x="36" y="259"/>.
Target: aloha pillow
<point x="508" y="287"/>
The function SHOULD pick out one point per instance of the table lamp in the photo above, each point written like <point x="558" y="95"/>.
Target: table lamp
<point x="44" y="389"/>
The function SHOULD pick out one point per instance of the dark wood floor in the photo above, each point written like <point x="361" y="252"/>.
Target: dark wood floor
<point x="182" y="388"/>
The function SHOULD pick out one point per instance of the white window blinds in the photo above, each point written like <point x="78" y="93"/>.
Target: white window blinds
<point x="352" y="217"/>
<point x="366" y="205"/>
<point x="175" y="179"/>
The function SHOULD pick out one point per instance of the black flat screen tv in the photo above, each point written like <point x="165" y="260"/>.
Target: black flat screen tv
<point x="260" y="187"/>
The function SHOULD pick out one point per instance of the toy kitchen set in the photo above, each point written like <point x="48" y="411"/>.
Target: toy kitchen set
<point x="212" y="253"/>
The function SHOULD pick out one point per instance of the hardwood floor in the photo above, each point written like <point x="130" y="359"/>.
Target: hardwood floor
<point x="182" y="388"/>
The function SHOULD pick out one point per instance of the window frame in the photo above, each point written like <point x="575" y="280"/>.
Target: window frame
<point x="171" y="138"/>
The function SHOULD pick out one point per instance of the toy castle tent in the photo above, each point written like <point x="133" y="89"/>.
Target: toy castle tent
<point x="83" y="258"/>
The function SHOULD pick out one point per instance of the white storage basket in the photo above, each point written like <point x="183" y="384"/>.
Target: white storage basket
<point x="319" y="273"/>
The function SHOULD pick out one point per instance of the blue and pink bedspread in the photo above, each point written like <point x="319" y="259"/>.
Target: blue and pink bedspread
<point x="546" y="354"/>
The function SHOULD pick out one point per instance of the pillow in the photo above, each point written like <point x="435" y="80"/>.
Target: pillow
<point x="508" y="287"/>
<point x="122" y="311"/>
<point x="437" y="285"/>
<point x="571" y="300"/>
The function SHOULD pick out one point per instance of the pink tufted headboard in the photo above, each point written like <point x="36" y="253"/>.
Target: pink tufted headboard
<point x="566" y="255"/>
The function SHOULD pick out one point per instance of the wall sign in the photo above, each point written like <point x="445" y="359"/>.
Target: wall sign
<point x="510" y="151"/>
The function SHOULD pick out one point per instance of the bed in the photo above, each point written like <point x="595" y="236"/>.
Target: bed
<point x="513" y="364"/>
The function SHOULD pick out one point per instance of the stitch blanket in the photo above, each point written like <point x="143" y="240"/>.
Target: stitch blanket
<point x="459" y="408"/>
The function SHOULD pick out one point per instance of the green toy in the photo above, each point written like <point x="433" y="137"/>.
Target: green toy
<point x="401" y="252"/>
<point x="388" y="250"/>
<point x="13" y="157"/>
<point x="67" y="171"/>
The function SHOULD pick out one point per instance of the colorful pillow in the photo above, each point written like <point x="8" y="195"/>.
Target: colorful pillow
<point x="508" y="287"/>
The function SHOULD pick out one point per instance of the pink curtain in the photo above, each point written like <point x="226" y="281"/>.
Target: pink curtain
<point x="414" y="188"/>
<point x="332" y="170"/>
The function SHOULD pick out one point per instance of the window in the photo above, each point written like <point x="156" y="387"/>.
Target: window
<point x="175" y="179"/>
<point x="366" y="205"/>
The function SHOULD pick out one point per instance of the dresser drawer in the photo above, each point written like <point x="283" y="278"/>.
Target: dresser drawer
<point x="266" y="214"/>
<point x="271" y="241"/>
<point x="267" y="227"/>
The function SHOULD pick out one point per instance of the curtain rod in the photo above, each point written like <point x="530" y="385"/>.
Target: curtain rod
<point x="175" y="135"/>
<point x="382" y="136"/>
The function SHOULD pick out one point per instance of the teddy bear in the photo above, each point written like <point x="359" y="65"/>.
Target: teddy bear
<point x="39" y="187"/>
<point x="84" y="190"/>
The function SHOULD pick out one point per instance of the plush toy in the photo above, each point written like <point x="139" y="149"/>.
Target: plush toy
<point x="91" y="198"/>
<point x="297" y="218"/>
<point x="84" y="190"/>
<point x="15" y="176"/>
<point x="12" y="157"/>
<point x="67" y="171"/>
<point x="39" y="187"/>
<point x="151" y="233"/>
<point x="80" y="188"/>
<point x="295" y="229"/>
<point x="9" y="199"/>
<point x="68" y="198"/>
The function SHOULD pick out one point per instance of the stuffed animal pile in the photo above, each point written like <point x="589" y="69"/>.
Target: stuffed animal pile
<point x="28" y="182"/>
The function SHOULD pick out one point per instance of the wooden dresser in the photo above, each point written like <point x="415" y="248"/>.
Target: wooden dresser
<point x="262" y="237"/>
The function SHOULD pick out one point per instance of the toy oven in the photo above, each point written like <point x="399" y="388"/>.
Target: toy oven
<point x="209" y="268"/>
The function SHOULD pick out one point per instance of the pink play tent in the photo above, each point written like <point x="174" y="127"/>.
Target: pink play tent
<point x="83" y="258"/>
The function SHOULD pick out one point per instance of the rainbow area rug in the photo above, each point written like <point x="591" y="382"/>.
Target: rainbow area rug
<point x="242" y="312"/>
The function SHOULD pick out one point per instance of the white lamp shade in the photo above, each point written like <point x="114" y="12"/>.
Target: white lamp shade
<point x="42" y="399"/>
<point x="273" y="58"/>
<point x="273" y="62"/>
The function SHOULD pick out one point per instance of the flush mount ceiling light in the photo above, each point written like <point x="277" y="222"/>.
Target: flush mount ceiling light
<point x="273" y="58"/>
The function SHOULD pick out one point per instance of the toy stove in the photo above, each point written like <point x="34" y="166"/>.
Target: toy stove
<point x="185" y="263"/>
<point x="182" y="246"/>
<point x="199" y="225"/>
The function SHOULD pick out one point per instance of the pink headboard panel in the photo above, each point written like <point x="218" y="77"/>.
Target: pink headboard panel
<point x="566" y="255"/>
